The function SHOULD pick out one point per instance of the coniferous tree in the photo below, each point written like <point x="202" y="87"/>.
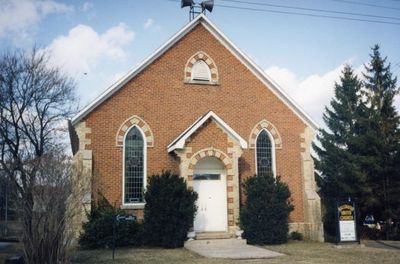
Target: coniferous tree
<point x="169" y="211"/>
<point x="265" y="215"/>
<point x="359" y="152"/>
<point x="379" y="141"/>
<point x="339" y="174"/>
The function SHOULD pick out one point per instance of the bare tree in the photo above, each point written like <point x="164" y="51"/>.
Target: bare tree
<point x="49" y="239"/>
<point x="8" y="203"/>
<point x="35" y="99"/>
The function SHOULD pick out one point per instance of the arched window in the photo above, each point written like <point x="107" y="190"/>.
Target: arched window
<point x="201" y="71"/>
<point x="200" y="68"/>
<point x="264" y="154"/>
<point x="134" y="178"/>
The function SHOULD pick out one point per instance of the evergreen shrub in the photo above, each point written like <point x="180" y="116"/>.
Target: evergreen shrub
<point x="169" y="211"/>
<point x="264" y="217"/>
<point x="98" y="230"/>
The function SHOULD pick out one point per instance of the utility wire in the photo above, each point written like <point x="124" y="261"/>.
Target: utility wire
<point x="309" y="15"/>
<point x="304" y="14"/>
<point x="312" y="9"/>
<point x="366" y="4"/>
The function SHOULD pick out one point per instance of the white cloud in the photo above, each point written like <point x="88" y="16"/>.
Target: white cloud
<point x="397" y="103"/>
<point x="19" y="19"/>
<point x="83" y="48"/>
<point x="48" y="7"/>
<point x="316" y="91"/>
<point x="86" y="6"/>
<point x="149" y="22"/>
<point x="312" y="93"/>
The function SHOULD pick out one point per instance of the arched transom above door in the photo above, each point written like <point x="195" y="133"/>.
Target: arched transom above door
<point x="209" y="152"/>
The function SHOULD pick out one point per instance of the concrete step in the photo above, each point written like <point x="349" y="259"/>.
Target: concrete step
<point x="219" y="242"/>
<point x="213" y="235"/>
<point x="229" y="248"/>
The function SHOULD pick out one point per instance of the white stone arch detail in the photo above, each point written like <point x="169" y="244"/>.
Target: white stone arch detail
<point x="211" y="152"/>
<point x="273" y="154"/>
<point x="201" y="55"/>
<point x="128" y="124"/>
<point x="232" y="199"/>
<point x="272" y="131"/>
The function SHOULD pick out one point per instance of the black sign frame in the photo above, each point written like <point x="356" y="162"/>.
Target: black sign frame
<point x="346" y="210"/>
<point x="117" y="219"/>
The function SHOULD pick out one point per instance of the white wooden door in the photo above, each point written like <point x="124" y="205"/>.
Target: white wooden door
<point x="209" y="181"/>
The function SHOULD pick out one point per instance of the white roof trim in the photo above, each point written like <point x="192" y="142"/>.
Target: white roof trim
<point x="255" y="69"/>
<point x="262" y="76"/>
<point x="135" y="71"/>
<point x="180" y="141"/>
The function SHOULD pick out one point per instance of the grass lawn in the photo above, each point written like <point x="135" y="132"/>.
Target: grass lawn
<point x="296" y="252"/>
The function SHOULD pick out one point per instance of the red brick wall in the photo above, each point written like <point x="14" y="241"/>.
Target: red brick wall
<point x="209" y="135"/>
<point x="161" y="98"/>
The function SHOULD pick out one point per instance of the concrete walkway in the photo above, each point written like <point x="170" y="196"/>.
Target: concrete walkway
<point x="229" y="248"/>
<point x="386" y="244"/>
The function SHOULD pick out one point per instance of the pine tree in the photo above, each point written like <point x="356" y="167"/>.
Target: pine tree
<point x="338" y="161"/>
<point x="379" y="143"/>
<point x="265" y="215"/>
<point x="169" y="211"/>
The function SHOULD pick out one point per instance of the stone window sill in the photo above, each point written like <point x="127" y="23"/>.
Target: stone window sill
<point x="132" y="206"/>
<point x="201" y="83"/>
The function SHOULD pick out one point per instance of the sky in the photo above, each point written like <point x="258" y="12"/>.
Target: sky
<point x="97" y="42"/>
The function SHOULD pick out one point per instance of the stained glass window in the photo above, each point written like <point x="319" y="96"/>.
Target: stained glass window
<point x="134" y="170"/>
<point x="264" y="154"/>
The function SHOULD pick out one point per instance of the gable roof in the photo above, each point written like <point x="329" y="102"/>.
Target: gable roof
<point x="180" y="141"/>
<point x="200" y="19"/>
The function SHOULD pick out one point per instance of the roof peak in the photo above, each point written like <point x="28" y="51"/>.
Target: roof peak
<point x="244" y="59"/>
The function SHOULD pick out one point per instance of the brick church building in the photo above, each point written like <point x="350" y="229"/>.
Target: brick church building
<point x="199" y="107"/>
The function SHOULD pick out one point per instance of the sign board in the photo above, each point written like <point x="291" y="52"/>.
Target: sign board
<point x="119" y="218"/>
<point x="125" y="218"/>
<point x="347" y="222"/>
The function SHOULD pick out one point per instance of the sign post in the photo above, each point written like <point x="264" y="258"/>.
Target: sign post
<point x="117" y="219"/>
<point x="346" y="230"/>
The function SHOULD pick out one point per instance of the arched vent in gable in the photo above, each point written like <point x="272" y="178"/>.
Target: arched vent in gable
<point x="200" y="68"/>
